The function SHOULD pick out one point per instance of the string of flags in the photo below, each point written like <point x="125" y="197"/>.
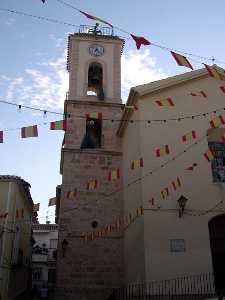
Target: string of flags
<point x="121" y="223"/>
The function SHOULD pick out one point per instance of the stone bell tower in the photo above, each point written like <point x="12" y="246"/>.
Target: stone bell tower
<point x="90" y="268"/>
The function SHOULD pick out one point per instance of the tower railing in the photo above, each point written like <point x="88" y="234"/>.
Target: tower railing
<point x="96" y="30"/>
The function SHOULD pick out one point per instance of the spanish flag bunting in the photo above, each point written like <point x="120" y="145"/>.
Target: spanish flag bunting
<point x="36" y="207"/>
<point x="118" y="224"/>
<point x="140" y="40"/>
<point x="222" y="88"/>
<point x="114" y="174"/>
<point x="139" y="211"/>
<point x="189" y="136"/>
<point x="19" y="213"/>
<point x="93" y="184"/>
<point x="128" y="219"/>
<point x="1" y="136"/>
<point x="165" y="102"/>
<point x="152" y="201"/>
<point x="71" y="194"/>
<point x="223" y="138"/>
<point x="138" y="163"/>
<point x="94" y="115"/>
<point x="217" y="121"/>
<point x="212" y="71"/>
<point x="199" y="94"/>
<point x="192" y="167"/>
<point x="58" y="125"/>
<point x="3" y="216"/>
<point x="30" y="131"/>
<point x="108" y="229"/>
<point x="209" y="155"/>
<point x="176" y="183"/>
<point x="162" y="151"/>
<point x="22" y="213"/>
<point x="95" y="18"/>
<point x="52" y="201"/>
<point x="181" y="60"/>
<point x="165" y="192"/>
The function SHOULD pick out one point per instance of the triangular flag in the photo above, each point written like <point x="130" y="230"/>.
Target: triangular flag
<point x="181" y="60"/>
<point x="140" y="40"/>
<point x="192" y="167"/>
<point x="95" y="18"/>
<point x="1" y="136"/>
<point x="212" y="71"/>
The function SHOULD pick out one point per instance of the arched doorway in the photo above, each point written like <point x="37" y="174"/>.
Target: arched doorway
<point x="217" y="242"/>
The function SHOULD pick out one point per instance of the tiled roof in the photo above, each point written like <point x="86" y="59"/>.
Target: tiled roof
<point x="25" y="185"/>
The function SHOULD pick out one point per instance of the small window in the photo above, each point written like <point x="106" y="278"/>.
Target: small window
<point x="93" y="135"/>
<point x="53" y="243"/>
<point x="37" y="274"/>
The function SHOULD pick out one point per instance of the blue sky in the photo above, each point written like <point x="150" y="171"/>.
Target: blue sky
<point x="33" y="68"/>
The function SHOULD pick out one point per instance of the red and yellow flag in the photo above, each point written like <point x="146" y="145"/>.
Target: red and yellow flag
<point x="217" y="121"/>
<point x="181" y="60"/>
<point x="94" y="115"/>
<point x="209" y="155"/>
<point x="165" y="102"/>
<point x="114" y="174"/>
<point x="1" y="136"/>
<point x="165" y="192"/>
<point x="30" y="131"/>
<point x="138" y="163"/>
<point x="93" y="184"/>
<point x="140" y="40"/>
<point x="212" y="71"/>
<point x="71" y="194"/>
<point x="95" y="18"/>
<point x="223" y="138"/>
<point x="176" y="183"/>
<point x="222" y="88"/>
<point x="152" y="201"/>
<point x="199" y="94"/>
<point x="162" y="151"/>
<point x="58" y="125"/>
<point x="139" y="211"/>
<point x="192" y="167"/>
<point x="189" y="136"/>
<point x="3" y="216"/>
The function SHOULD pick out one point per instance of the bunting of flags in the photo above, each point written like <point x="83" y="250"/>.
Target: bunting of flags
<point x="94" y="115"/>
<point x="208" y="155"/>
<point x="95" y="18"/>
<point x="217" y="121"/>
<point x="3" y="216"/>
<point x="165" y="102"/>
<point x="162" y="151"/>
<point x="138" y="163"/>
<point x="181" y="60"/>
<point x="71" y="194"/>
<point x="189" y="136"/>
<point x="52" y="201"/>
<point x="152" y="201"/>
<point x="58" y="125"/>
<point x="165" y="193"/>
<point x="30" y="131"/>
<point x="223" y="138"/>
<point x="176" y="183"/>
<point x="92" y="185"/>
<point x="212" y="71"/>
<point x="119" y="223"/>
<point x="36" y="207"/>
<point x="140" y="40"/>
<point x="199" y="94"/>
<point x="114" y="174"/>
<point x="192" y="167"/>
<point x="1" y="136"/>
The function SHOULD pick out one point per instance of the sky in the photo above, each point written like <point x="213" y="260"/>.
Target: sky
<point x="33" y="68"/>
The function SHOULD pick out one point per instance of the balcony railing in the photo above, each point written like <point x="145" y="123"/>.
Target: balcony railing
<point x="96" y="31"/>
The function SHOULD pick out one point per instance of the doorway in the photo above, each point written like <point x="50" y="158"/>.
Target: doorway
<point x="217" y="243"/>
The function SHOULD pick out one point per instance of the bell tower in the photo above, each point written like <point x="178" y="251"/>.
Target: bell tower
<point x="89" y="205"/>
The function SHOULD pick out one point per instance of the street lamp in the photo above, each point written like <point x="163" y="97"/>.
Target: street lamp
<point x="182" y="203"/>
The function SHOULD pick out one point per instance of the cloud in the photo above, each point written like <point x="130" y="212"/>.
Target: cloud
<point x="138" y="67"/>
<point x="45" y="86"/>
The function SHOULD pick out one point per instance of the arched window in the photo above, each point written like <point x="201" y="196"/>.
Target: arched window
<point x="95" y="80"/>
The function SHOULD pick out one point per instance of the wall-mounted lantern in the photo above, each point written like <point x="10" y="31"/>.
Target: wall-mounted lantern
<point x="182" y="203"/>
<point x="65" y="244"/>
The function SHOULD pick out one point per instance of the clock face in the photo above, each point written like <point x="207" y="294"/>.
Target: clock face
<point x="96" y="50"/>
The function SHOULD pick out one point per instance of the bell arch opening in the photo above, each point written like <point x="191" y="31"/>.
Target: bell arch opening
<point x="95" y="80"/>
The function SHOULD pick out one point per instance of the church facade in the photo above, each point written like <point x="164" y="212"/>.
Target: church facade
<point x="166" y="149"/>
